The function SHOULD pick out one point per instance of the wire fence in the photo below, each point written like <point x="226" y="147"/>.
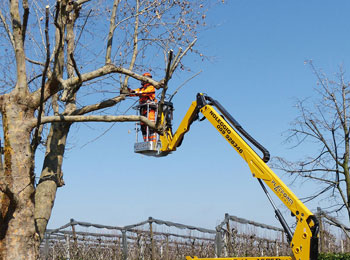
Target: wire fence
<point x="150" y="239"/>
<point x="158" y="239"/>
<point x="242" y="237"/>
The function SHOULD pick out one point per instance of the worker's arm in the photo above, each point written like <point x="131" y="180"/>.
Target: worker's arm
<point x="132" y="92"/>
<point x="150" y="90"/>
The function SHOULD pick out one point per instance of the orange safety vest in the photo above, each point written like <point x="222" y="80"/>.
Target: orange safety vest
<point x="146" y="93"/>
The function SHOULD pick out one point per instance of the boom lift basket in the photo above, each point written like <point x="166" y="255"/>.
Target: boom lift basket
<point x="149" y="143"/>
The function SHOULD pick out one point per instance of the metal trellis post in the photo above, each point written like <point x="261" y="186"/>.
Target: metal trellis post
<point x="125" y="245"/>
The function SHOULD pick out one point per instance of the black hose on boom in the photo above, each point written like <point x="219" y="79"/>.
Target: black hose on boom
<point x="235" y="124"/>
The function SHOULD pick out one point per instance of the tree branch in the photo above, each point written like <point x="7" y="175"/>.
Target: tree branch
<point x="179" y="58"/>
<point x="335" y="222"/>
<point x="35" y="62"/>
<point x="135" y="45"/>
<point x="25" y="19"/>
<point x="321" y="138"/>
<point x="111" y="31"/>
<point x="69" y="85"/>
<point x="93" y="118"/>
<point x="21" y="86"/>
<point x="95" y="107"/>
<point x="80" y="2"/>
<point x="76" y="68"/>
<point x="309" y="176"/>
<point x="82" y="29"/>
<point x="343" y="197"/>
<point x="36" y="140"/>
<point x="58" y="52"/>
<point x="165" y="88"/>
<point x="7" y="28"/>
<point x="183" y="84"/>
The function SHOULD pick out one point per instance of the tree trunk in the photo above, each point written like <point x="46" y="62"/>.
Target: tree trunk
<point x="51" y="175"/>
<point x="18" y="239"/>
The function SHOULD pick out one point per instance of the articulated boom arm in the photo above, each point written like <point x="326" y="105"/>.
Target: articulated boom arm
<point x="304" y="242"/>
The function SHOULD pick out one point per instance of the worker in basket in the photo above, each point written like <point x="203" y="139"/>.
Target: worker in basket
<point x="147" y="95"/>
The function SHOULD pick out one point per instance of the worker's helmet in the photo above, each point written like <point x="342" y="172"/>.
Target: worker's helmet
<point x="148" y="75"/>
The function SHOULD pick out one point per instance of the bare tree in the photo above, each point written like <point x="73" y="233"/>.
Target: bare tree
<point x="323" y="123"/>
<point x="54" y="53"/>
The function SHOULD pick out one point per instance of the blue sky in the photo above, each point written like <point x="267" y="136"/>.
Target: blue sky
<point x="257" y="71"/>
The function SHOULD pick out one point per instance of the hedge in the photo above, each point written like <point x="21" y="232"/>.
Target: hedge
<point x="337" y="256"/>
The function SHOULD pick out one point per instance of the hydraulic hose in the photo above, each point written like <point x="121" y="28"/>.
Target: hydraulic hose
<point x="235" y="124"/>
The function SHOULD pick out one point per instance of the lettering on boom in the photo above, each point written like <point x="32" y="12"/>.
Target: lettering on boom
<point x="282" y="193"/>
<point x="225" y="131"/>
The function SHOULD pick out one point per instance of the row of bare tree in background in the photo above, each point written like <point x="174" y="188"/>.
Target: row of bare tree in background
<point x="157" y="239"/>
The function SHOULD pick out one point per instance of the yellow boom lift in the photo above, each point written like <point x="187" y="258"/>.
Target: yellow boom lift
<point x="304" y="241"/>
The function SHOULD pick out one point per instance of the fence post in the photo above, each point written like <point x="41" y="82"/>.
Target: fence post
<point x="75" y="243"/>
<point x="115" y="252"/>
<point x="224" y="245"/>
<point x="125" y="245"/>
<point x="119" y="248"/>
<point x="140" y="244"/>
<point x="283" y="245"/>
<point x="167" y="248"/>
<point x="228" y="234"/>
<point x="67" y="247"/>
<point x="151" y="238"/>
<point x="342" y="245"/>
<point x="218" y="243"/>
<point x="47" y="248"/>
<point x="192" y="247"/>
